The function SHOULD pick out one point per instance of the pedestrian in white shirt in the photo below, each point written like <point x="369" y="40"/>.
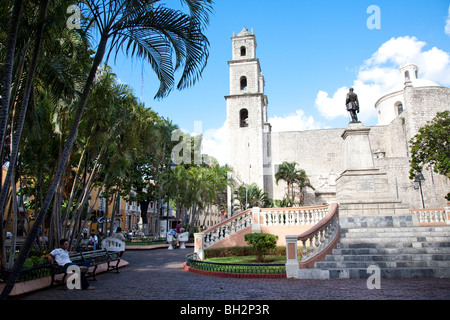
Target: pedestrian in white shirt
<point x="62" y="258"/>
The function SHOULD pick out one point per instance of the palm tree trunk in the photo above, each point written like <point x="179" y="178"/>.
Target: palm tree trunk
<point x="26" y="98"/>
<point x="14" y="224"/>
<point x="6" y="93"/>
<point x="50" y="192"/>
<point x="116" y="208"/>
<point x="74" y="185"/>
<point x="8" y="68"/>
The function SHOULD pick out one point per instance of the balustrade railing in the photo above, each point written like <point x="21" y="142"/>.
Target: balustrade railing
<point x="260" y="217"/>
<point x="317" y="242"/>
<point x="227" y="228"/>
<point x="293" y="216"/>
<point x="432" y="216"/>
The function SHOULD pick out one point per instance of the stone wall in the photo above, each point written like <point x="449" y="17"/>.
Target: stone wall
<point x="318" y="152"/>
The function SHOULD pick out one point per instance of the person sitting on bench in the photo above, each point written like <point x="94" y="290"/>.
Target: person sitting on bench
<point x="93" y="240"/>
<point x="62" y="258"/>
<point x="173" y="233"/>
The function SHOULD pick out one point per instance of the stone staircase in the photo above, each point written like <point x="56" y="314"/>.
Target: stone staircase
<point x="393" y="243"/>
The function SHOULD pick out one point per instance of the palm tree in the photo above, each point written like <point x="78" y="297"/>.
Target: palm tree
<point x="250" y="196"/>
<point x="143" y="29"/>
<point x="27" y="93"/>
<point x="8" y="68"/>
<point x="292" y="176"/>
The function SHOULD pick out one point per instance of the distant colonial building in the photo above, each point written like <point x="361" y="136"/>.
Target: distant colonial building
<point x="255" y="152"/>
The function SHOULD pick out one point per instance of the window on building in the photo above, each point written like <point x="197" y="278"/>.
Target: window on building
<point x="243" y="51"/>
<point x="243" y="83"/>
<point x="400" y="108"/>
<point x="102" y="204"/>
<point x="243" y="118"/>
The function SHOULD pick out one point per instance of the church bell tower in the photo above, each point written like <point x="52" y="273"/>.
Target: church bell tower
<point x="247" y="127"/>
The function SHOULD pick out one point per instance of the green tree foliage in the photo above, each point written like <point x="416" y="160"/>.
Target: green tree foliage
<point x="293" y="177"/>
<point x="63" y="110"/>
<point x="261" y="243"/>
<point x="430" y="147"/>
<point x="249" y="196"/>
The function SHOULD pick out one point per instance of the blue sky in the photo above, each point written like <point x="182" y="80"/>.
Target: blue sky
<point x="310" y="53"/>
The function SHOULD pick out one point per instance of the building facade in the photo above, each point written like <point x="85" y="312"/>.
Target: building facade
<point x="255" y="152"/>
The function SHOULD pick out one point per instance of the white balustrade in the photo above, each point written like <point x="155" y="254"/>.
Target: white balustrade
<point x="262" y="216"/>
<point x="431" y="216"/>
<point x="293" y="216"/>
<point x="227" y="228"/>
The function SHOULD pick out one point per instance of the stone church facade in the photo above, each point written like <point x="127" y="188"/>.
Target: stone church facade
<point x="255" y="152"/>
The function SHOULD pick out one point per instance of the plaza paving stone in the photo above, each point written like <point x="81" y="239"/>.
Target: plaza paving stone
<point x="158" y="275"/>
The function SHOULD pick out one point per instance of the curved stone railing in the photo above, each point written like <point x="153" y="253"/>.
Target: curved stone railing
<point x="317" y="242"/>
<point x="257" y="217"/>
<point x="221" y="230"/>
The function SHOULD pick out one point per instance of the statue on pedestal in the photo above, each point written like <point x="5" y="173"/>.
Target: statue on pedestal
<point x="352" y="104"/>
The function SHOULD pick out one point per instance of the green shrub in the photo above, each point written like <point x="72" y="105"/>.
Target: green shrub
<point x="261" y="243"/>
<point x="228" y="252"/>
<point x="33" y="261"/>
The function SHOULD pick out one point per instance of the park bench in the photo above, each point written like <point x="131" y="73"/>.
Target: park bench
<point x="182" y="238"/>
<point x="113" y="245"/>
<point x="94" y="257"/>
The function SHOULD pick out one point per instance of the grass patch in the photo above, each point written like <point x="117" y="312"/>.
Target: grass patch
<point x="241" y="254"/>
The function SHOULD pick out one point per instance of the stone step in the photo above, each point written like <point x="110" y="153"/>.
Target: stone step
<point x="381" y="264"/>
<point x="392" y="243"/>
<point x="362" y="273"/>
<point x="389" y="257"/>
<point x="394" y="239"/>
<point x="377" y="221"/>
<point x="393" y="251"/>
<point x="388" y="235"/>
<point x="377" y="230"/>
<point x="381" y="245"/>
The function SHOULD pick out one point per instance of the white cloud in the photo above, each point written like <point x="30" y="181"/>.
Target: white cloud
<point x="447" y="24"/>
<point x="214" y="144"/>
<point x="293" y="122"/>
<point x="380" y="75"/>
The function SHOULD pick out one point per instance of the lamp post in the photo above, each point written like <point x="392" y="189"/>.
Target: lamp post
<point x="419" y="178"/>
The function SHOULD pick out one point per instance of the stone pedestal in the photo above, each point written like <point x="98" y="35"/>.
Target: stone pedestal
<point x="292" y="266"/>
<point x="198" y="245"/>
<point x="362" y="189"/>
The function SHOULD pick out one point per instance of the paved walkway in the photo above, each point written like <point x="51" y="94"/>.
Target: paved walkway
<point x="158" y="275"/>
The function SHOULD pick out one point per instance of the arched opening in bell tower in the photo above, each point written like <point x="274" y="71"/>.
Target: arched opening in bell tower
<point x="243" y="118"/>
<point x="243" y="82"/>
<point x="243" y="51"/>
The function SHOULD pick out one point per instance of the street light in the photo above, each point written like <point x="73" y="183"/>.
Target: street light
<point x="419" y="178"/>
